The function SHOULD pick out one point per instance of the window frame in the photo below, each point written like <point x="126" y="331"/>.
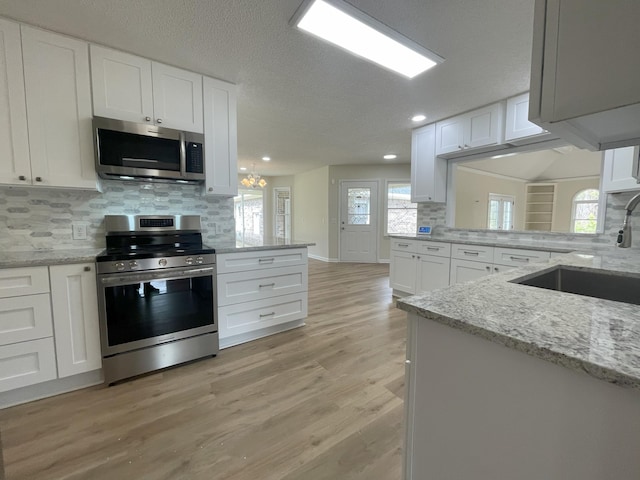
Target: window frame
<point x="575" y="203"/>
<point x="386" y="206"/>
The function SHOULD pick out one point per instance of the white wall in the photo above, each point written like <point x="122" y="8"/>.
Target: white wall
<point x="310" y="204"/>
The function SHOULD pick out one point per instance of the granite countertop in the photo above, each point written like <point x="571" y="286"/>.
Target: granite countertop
<point x="47" y="257"/>
<point x="264" y="244"/>
<point x="541" y="245"/>
<point x="599" y="337"/>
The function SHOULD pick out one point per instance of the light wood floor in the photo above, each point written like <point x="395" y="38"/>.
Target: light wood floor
<point x="320" y="402"/>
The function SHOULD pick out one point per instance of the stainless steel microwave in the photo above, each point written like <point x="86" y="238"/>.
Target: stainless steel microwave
<point x="127" y="150"/>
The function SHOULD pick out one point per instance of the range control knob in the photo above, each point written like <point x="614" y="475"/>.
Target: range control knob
<point x="119" y="266"/>
<point x="189" y="260"/>
<point x="199" y="259"/>
<point x="133" y="264"/>
<point x="162" y="262"/>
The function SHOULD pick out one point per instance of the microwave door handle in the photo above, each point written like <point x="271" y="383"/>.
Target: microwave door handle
<point x="183" y="155"/>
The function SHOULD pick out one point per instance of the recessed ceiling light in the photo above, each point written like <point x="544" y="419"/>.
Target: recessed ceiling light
<point x="345" y="26"/>
<point x="243" y="168"/>
<point x="266" y="159"/>
<point x="418" y="118"/>
<point x="390" y="156"/>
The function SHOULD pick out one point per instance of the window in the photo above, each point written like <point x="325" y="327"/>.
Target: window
<point x="282" y="212"/>
<point x="500" y="212"/>
<point x="247" y="210"/>
<point x="401" y="212"/>
<point x="584" y="213"/>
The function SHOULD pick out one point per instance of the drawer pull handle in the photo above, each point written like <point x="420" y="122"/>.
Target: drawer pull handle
<point x="266" y="260"/>
<point x="473" y="254"/>
<point x="403" y="244"/>
<point x="262" y="315"/>
<point x="519" y="259"/>
<point x="433" y="248"/>
<point x="267" y="285"/>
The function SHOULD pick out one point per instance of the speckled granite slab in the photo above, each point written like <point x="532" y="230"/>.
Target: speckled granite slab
<point x="599" y="337"/>
<point x="265" y="244"/>
<point x="547" y="246"/>
<point x="47" y="257"/>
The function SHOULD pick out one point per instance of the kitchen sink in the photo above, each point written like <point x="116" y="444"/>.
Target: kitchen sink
<point x="590" y="283"/>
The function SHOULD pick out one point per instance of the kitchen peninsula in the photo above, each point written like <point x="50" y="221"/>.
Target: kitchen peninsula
<point x="512" y="381"/>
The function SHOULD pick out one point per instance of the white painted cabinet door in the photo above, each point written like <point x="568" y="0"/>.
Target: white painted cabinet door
<point x="14" y="139"/>
<point x="484" y="127"/>
<point x="433" y="273"/>
<point x="122" y="85"/>
<point x="428" y="172"/>
<point x="618" y="170"/>
<point x="450" y="135"/>
<point x="466" y="270"/>
<point x="177" y="98"/>
<point x="75" y="318"/>
<point x="58" y="92"/>
<point x="402" y="273"/>
<point x="220" y="138"/>
<point x="517" y="124"/>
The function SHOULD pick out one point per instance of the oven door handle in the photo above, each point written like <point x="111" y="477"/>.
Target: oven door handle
<point x="125" y="279"/>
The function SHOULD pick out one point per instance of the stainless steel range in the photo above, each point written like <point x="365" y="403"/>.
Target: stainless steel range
<point x="156" y="294"/>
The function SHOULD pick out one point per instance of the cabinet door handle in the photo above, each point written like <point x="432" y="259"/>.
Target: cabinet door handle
<point x="473" y="254"/>
<point x="147" y="119"/>
<point x="413" y="256"/>
<point x="267" y="285"/>
<point x="262" y="315"/>
<point x="22" y="178"/>
<point x="87" y="269"/>
<point x="159" y="120"/>
<point x="496" y="269"/>
<point x="519" y="259"/>
<point x="266" y="260"/>
<point x="38" y="179"/>
<point x="488" y="268"/>
<point x="211" y="189"/>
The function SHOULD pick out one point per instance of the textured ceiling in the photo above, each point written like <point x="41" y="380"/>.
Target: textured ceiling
<point x="544" y="165"/>
<point x="301" y="101"/>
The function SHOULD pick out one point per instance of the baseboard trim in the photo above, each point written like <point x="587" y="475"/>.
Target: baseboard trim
<point x="323" y="259"/>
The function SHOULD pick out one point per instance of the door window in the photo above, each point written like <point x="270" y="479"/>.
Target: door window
<point x="359" y="206"/>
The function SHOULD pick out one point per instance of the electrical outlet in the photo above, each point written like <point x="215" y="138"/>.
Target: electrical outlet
<point x="79" y="231"/>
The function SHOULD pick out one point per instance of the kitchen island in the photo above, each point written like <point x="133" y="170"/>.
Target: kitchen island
<point x="512" y="381"/>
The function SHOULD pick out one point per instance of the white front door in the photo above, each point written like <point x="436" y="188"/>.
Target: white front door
<point x="359" y="221"/>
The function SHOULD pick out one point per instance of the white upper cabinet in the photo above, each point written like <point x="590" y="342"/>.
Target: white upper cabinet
<point x="221" y="138"/>
<point x="470" y="132"/>
<point x="135" y="89"/>
<point x="14" y="139"/>
<point x="619" y="168"/>
<point x="585" y="74"/>
<point x="428" y="172"/>
<point x="58" y="94"/>
<point x="122" y="85"/>
<point x="517" y="127"/>
<point x="177" y="98"/>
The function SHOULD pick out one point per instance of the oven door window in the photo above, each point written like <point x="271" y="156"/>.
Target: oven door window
<point x="140" y="311"/>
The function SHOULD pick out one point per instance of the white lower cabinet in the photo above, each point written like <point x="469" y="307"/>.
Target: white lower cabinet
<point x="260" y="293"/>
<point x="48" y="324"/>
<point x="75" y="318"/>
<point x="418" y="267"/>
<point x="468" y="270"/>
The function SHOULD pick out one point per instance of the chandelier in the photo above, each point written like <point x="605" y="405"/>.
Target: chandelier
<point x="253" y="180"/>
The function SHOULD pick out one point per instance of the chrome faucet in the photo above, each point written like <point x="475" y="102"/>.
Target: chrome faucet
<point x="624" y="235"/>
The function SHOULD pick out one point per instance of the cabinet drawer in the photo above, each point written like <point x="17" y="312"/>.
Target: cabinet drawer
<point x="438" y="249"/>
<point x="244" y="261"/>
<point x="23" y="281"/>
<point x="515" y="257"/>
<point x="27" y="363"/>
<point x="248" y="286"/>
<point x="404" y="245"/>
<point x="250" y="316"/>
<point x="477" y="253"/>
<point x="25" y="318"/>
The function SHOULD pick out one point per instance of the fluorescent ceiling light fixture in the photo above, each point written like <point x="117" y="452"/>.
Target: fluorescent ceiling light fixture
<point x="390" y="156"/>
<point x="345" y="26"/>
<point x="418" y="118"/>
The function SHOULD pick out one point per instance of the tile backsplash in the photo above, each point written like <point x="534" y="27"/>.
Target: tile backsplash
<point x="37" y="218"/>
<point x="435" y="214"/>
